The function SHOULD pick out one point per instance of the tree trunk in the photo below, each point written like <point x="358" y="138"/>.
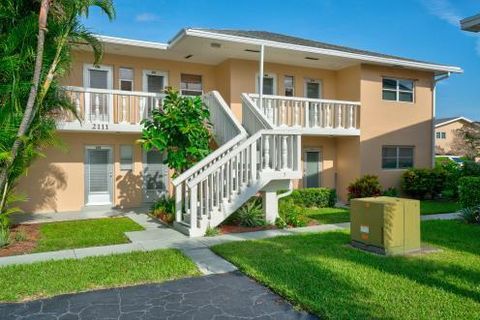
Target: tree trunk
<point x="30" y="107"/>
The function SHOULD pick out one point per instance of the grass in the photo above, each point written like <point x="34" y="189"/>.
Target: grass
<point x="321" y="274"/>
<point x="438" y="206"/>
<point x="329" y="215"/>
<point x="84" y="233"/>
<point x="50" y="278"/>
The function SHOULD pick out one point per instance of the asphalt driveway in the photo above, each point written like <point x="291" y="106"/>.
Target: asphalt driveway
<point x="221" y="296"/>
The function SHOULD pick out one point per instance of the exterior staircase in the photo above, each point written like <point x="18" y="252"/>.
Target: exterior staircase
<point x="251" y="158"/>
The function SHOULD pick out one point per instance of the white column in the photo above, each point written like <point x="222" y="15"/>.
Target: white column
<point x="266" y="151"/>
<point x="284" y="152"/>
<point x="97" y="107"/>
<point x="270" y="206"/>
<point x="260" y="87"/>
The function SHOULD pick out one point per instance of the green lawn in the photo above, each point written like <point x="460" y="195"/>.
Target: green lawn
<point x="321" y="274"/>
<point x="329" y="215"/>
<point x="50" y="278"/>
<point x="438" y="206"/>
<point x="84" y="233"/>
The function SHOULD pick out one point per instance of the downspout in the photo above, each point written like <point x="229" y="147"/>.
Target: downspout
<point x="260" y="86"/>
<point x="434" y="110"/>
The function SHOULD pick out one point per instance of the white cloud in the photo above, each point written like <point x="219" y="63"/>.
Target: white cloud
<point x="146" y="17"/>
<point x="444" y="10"/>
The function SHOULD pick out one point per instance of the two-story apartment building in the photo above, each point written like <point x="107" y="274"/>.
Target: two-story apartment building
<point x="283" y="109"/>
<point x="445" y="132"/>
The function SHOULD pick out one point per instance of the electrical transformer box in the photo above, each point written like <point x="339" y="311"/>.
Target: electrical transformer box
<point x="385" y="225"/>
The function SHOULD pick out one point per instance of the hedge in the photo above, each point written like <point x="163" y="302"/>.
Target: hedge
<point x="469" y="192"/>
<point x="314" y="197"/>
<point x="420" y="183"/>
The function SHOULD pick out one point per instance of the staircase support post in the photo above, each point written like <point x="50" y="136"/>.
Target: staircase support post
<point x="270" y="206"/>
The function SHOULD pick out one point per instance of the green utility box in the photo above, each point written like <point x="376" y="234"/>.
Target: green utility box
<point x="385" y="225"/>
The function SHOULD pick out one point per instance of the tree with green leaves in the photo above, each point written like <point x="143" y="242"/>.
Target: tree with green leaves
<point x="36" y="41"/>
<point x="180" y="127"/>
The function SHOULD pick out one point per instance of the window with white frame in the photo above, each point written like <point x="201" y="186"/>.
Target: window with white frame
<point x="269" y="84"/>
<point x="289" y="85"/>
<point x="441" y="135"/>
<point x="397" y="157"/>
<point x="126" y="79"/>
<point x="126" y="157"/>
<point x="191" y="84"/>
<point x="401" y="90"/>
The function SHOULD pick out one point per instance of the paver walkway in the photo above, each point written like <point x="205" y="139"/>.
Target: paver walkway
<point x="226" y="296"/>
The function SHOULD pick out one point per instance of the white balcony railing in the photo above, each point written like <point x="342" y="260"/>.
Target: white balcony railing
<point x="315" y="115"/>
<point x="101" y="109"/>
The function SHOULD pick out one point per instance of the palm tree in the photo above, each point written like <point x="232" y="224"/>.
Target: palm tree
<point x="30" y="98"/>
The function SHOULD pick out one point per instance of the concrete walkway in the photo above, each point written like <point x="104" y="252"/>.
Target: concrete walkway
<point x="157" y="236"/>
<point x="226" y="296"/>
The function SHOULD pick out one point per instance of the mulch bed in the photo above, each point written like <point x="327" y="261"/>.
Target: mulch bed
<point x="225" y="229"/>
<point x="31" y="234"/>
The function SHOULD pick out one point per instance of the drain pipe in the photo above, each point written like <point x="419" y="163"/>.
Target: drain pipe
<point x="434" y="110"/>
<point x="286" y="193"/>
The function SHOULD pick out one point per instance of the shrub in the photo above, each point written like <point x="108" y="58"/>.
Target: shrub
<point x="420" y="183"/>
<point x="453" y="172"/>
<point x="212" y="232"/>
<point x="164" y="209"/>
<point x="390" y="192"/>
<point x="251" y="214"/>
<point x="469" y="192"/>
<point x="471" y="169"/>
<point x="4" y="236"/>
<point x="280" y="223"/>
<point x="366" y="186"/>
<point x="314" y="197"/>
<point x="470" y="215"/>
<point x="292" y="214"/>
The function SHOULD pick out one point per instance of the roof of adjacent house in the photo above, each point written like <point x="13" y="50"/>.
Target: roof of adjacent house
<point x="278" y="37"/>
<point x="444" y="121"/>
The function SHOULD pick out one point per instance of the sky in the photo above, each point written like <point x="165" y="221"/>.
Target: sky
<point x="420" y="29"/>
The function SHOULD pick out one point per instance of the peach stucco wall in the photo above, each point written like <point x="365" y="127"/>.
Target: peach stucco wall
<point x="57" y="182"/>
<point x="394" y="123"/>
<point x="449" y="129"/>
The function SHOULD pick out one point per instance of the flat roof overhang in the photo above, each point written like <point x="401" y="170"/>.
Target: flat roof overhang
<point x="471" y="24"/>
<point x="198" y="46"/>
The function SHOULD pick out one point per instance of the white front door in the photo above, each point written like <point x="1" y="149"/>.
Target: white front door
<point x="155" y="176"/>
<point x="98" y="175"/>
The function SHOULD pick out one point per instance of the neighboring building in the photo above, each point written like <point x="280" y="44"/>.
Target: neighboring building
<point x="328" y="114"/>
<point x="445" y="132"/>
<point x="471" y="24"/>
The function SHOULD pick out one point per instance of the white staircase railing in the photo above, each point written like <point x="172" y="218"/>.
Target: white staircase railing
<point x="224" y="186"/>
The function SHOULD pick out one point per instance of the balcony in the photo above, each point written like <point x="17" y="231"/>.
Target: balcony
<point x="310" y="116"/>
<point x="109" y="110"/>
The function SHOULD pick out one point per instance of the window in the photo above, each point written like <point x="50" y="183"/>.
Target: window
<point x="397" y="157"/>
<point x="126" y="157"/>
<point x="441" y="135"/>
<point x="126" y="79"/>
<point x="191" y="85"/>
<point x="269" y="84"/>
<point x="397" y="90"/>
<point x="289" y="84"/>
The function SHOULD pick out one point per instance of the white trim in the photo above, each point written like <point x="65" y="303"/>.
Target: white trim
<point x="320" y="165"/>
<point x="453" y="120"/>
<point x="266" y="75"/>
<point x="86" y="74"/>
<point x="309" y="80"/>
<point x="132" y="42"/>
<point x="146" y="72"/>
<point x="331" y="52"/>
